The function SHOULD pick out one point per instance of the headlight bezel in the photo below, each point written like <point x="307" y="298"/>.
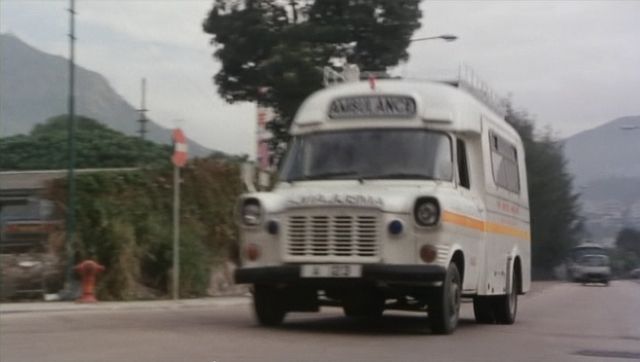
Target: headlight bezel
<point x="256" y="216"/>
<point x="427" y="212"/>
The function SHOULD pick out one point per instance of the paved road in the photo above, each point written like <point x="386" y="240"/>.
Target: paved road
<point x="560" y="322"/>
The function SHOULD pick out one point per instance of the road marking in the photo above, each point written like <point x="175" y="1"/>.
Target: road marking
<point x="608" y="354"/>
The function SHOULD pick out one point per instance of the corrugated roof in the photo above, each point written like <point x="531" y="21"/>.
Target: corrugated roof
<point x="34" y="180"/>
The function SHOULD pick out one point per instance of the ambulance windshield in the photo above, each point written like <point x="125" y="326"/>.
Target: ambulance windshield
<point x="369" y="154"/>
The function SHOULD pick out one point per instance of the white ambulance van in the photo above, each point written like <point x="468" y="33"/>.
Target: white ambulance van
<point x="393" y="195"/>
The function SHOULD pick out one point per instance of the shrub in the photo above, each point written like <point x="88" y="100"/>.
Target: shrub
<point x="124" y="221"/>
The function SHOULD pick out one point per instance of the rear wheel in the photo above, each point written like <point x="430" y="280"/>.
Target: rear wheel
<point x="268" y="305"/>
<point x="506" y="306"/>
<point x="444" y="309"/>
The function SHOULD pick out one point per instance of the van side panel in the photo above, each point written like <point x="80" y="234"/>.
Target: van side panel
<point x="472" y="205"/>
<point x="507" y="212"/>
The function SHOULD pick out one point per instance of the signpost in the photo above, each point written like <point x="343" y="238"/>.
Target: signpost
<point x="263" y="136"/>
<point x="179" y="159"/>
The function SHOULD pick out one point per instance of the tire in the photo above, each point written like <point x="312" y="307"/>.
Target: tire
<point x="483" y="310"/>
<point x="268" y="305"/>
<point x="444" y="308"/>
<point x="506" y="306"/>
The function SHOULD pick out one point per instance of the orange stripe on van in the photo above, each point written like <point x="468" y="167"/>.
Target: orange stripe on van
<point x="490" y="227"/>
<point x="466" y="221"/>
<point x="506" y="230"/>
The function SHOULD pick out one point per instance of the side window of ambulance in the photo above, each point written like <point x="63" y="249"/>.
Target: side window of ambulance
<point x="463" y="165"/>
<point x="504" y="163"/>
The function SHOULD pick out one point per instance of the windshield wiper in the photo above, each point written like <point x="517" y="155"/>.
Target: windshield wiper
<point x="400" y="176"/>
<point x="324" y="175"/>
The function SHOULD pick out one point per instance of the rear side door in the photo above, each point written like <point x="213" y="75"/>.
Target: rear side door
<point x="469" y="181"/>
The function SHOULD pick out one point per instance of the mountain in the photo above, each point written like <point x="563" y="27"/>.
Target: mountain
<point x="608" y="151"/>
<point x="605" y="162"/>
<point x="33" y="88"/>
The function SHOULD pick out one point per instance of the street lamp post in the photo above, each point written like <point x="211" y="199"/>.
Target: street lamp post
<point x="445" y="37"/>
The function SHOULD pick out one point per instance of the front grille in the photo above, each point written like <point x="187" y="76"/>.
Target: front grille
<point x="333" y="236"/>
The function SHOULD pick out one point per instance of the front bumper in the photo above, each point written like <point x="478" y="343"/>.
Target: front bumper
<point x="371" y="273"/>
<point x="596" y="276"/>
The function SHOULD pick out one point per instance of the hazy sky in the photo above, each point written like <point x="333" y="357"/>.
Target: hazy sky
<point x="573" y="65"/>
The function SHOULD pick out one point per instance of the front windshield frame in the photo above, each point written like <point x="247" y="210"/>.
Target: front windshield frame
<point x="580" y="251"/>
<point x="284" y="174"/>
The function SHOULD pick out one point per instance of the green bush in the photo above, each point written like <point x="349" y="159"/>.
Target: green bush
<point x="124" y="221"/>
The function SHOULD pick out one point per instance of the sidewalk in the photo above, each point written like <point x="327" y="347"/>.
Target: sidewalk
<point x="29" y="307"/>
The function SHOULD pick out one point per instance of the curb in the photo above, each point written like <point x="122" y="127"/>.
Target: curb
<point x="46" y="307"/>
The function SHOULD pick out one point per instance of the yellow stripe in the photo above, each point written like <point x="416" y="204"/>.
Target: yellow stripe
<point x="469" y="222"/>
<point x="490" y="227"/>
<point x="506" y="230"/>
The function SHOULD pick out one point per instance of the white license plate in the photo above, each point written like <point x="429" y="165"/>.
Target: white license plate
<point x="331" y="271"/>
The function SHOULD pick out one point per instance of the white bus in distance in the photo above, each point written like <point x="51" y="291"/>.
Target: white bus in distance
<point x="393" y="195"/>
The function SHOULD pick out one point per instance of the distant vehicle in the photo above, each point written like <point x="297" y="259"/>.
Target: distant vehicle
<point x="25" y="235"/>
<point x="26" y="226"/>
<point x="635" y="273"/>
<point x="393" y="195"/>
<point x="629" y="127"/>
<point x="573" y="267"/>
<point x="593" y="268"/>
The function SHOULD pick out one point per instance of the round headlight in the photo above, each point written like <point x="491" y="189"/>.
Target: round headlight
<point x="427" y="212"/>
<point x="250" y="212"/>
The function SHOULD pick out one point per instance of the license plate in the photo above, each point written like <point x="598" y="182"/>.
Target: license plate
<point x="331" y="271"/>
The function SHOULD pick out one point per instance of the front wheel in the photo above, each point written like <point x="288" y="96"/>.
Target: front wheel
<point x="444" y="309"/>
<point x="268" y="305"/>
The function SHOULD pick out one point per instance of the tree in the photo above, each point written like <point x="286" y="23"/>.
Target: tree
<point x="628" y="239"/>
<point x="273" y="52"/>
<point x="555" y="222"/>
<point x="96" y="146"/>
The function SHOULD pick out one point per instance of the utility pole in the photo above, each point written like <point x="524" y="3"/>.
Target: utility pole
<point x="294" y="11"/>
<point x="179" y="159"/>
<point x="71" y="144"/>
<point x="143" y="110"/>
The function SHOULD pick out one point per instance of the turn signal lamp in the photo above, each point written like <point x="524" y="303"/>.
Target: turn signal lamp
<point x="252" y="252"/>
<point x="428" y="253"/>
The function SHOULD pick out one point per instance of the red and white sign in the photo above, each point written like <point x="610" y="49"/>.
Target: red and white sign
<point x="265" y="115"/>
<point x="180" y="154"/>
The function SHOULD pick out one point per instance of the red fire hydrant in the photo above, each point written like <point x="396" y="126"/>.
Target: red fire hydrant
<point x="88" y="270"/>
